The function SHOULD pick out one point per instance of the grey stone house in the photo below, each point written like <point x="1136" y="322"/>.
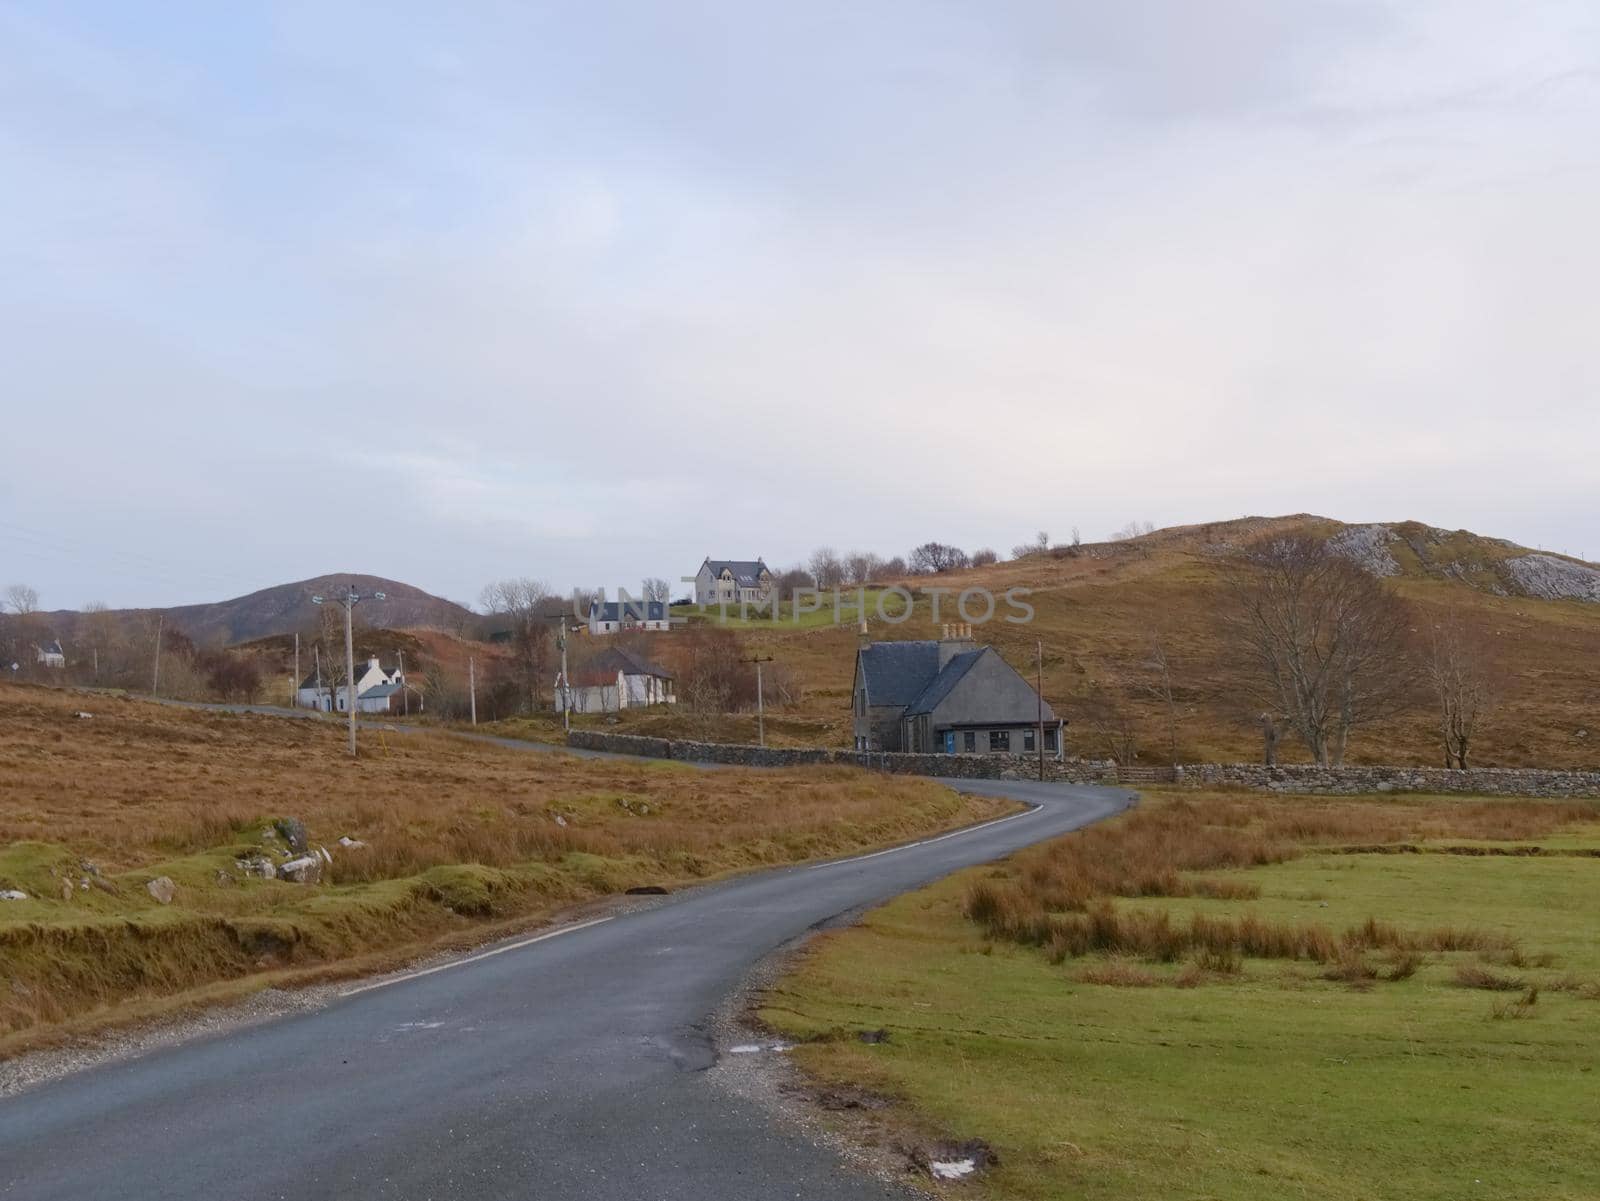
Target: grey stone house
<point x="730" y="581"/>
<point x="951" y="696"/>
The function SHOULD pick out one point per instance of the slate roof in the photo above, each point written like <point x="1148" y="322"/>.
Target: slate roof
<point x="746" y="572"/>
<point x="52" y="648"/>
<point x="944" y="683"/>
<point x="334" y="676"/>
<point x="636" y="611"/>
<point x="378" y="691"/>
<point x="621" y="659"/>
<point x="897" y="673"/>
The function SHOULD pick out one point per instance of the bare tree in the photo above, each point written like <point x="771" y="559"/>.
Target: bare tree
<point x="1040" y="544"/>
<point x="826" y="567"/>
<point x="98" y="629"/>
<point x="793" y="580"/>
<point x="22" y="599"/>
<point x="1110" y="721"/>
<point x="984" y="557"/>
<point x="1160" y="687"/>
<point x="862" y="567"/>
<point x="931" y="558"/>
<point x="1324" y="643"/>
<point x="657" y="590"/>
<point x="521" y="603"/>
<point x="1460" y="667"/>
<point x="1134" y="529"/>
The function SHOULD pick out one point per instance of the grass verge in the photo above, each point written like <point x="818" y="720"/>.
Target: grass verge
<point x="1335" y="1031"/>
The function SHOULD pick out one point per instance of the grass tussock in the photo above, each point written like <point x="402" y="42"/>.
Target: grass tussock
<point x="1519" y="1007"/>
<point x="1060" y="897"/>
<point x="1119" y="973"/>
<point x="1470" y="975"/>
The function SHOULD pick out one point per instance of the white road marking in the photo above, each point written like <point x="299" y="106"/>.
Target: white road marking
<point x="528" y="942"/>
<point x="911" y="846"/>
<point x="481" y="955"/>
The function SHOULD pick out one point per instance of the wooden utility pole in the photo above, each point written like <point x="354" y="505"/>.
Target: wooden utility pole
<point x="472" y="686"/>
<point x="349" y="600"/>
<point x="1039" y="692"/>
<point x="350" y="667"/>
<point x="155" y="678"/>
<point x="566" y="692"/>
<point x="294" y="684"/>
<point x="761" y="716"/>
<point x="405" y="697"/>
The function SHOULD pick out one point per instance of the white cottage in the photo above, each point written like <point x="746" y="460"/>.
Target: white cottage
<point x="616" y="679"/>
<point x="375" y="686"/>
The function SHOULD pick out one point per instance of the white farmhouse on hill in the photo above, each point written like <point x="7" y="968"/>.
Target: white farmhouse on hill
<point x="732" y="581"/>
<point x="611" y="617"/>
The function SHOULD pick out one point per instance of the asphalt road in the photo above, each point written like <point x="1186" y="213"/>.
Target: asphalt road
<point x="566" y="1068"/>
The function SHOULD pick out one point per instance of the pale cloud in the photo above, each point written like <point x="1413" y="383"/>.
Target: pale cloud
<point x="588" y="294"/>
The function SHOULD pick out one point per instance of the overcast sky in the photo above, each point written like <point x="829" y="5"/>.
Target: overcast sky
<point x="588" y="291"/>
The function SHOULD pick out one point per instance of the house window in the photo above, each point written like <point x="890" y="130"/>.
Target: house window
<point x="861" y="703"/>
<point x="1049" y="740"/>
<point x="999" y="740"/>
<point x="969" y="741"/>
<point x="1028" y="743"/>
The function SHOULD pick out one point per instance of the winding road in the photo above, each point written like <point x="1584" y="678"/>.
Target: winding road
<point x="564" y="1067"/>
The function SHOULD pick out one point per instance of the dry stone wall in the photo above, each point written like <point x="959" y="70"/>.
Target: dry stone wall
<point x="1296" y="778"/>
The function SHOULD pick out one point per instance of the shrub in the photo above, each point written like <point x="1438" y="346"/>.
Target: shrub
<point x="1119" y="973"/>
<point x="1403" y="966"/>
<point x="1470" y="975"/>
<point x="1521" y="1007"/>
<point x="1351" y="968"/>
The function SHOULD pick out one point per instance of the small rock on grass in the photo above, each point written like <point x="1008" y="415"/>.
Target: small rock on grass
<point x="307" y="869"/>
<point x="162" y="889"/>
<point x="293" y="831"/>
<point x="257" y="865"/>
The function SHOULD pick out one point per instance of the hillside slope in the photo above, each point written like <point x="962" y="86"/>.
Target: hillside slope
<point x="287" y="607"/>
<point x="1101" y="609"/>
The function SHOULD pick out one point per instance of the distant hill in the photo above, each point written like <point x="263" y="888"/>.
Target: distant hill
<point x="287" y="607"/>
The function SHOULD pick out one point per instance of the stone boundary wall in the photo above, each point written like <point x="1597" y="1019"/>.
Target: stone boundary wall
<point x="1480" y="781"/>
<point x="1295" y="778"/>
<point x="974" y="767"/>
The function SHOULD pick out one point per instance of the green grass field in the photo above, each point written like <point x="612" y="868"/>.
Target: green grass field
<point x="1260" y="1078"/>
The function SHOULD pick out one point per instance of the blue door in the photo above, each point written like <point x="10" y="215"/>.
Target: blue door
<point x="949" y="742"/>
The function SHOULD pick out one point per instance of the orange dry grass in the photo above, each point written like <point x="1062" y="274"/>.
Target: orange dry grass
<point x="143" y="782"/>
<point x="1096" y="613"/>
<point x="456" y="832"/>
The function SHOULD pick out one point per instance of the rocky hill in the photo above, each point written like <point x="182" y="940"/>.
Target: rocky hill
<point x="1105" y="612"/>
